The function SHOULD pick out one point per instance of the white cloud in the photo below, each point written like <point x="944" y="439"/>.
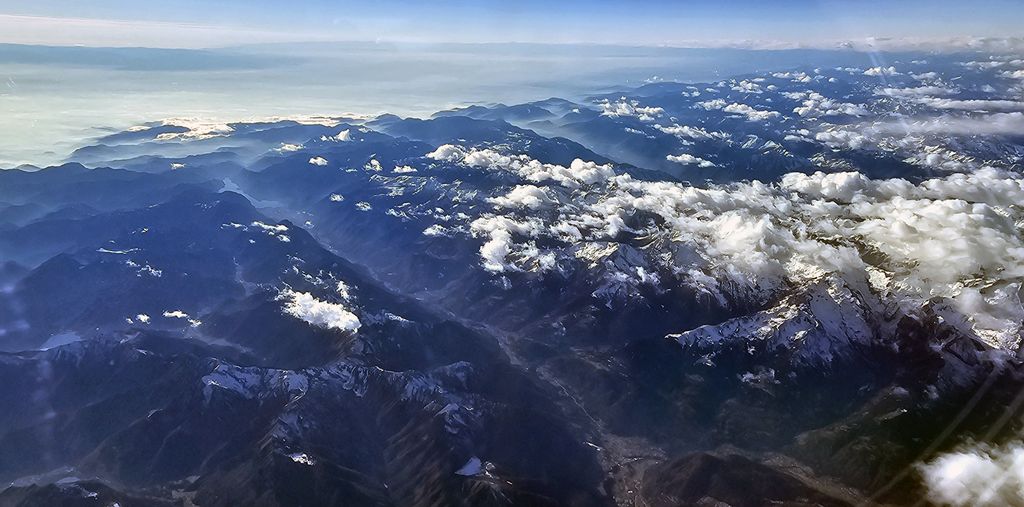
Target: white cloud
<point x="881" y="71"/>
<point x="436" y="230"/>
<point x="977" y="65"/>
<point x="270" y="228"/>
<point x="578" y="173"/>
<point x="273" y="230"/>
<point x="751" y="113"/>
<point x="746" y="86"/>
<point x="629" y="108"/>
<point x="941" y="158"/>
<point x="343" y="290"/>
<point x="991" y="124"/>
<point x="304" y="306"/>
<point x="404" y="169"/>
<point x="979" y="476"/>
<point x="69" y="31"/>
<point x="915" y="92"/>
<point x="320" y="161"/>
<point x="524" y="196"/>
<point x="755" y="239"/>
<point x="178" y="314"/>
<point x="499" y="232"/>
<point x="816" y="104"/>
<point x="739" y="109"/>
<point x="287" y="147"/>
<point x="448" y="153"/>
<point x="687" y="159"/>
<point x="712" y="104"/>
<point x="842" y="139"/>
<point x="924" y="139"/>
<point x="799" y="77"/>
<point x="687" y="132"/>
<point x="972" y="105"/>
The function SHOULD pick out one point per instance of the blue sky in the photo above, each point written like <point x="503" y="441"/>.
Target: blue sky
<point x="195" y="23"/>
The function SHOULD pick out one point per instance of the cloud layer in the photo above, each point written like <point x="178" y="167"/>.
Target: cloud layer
<point x="978" y="476"/>
<point x="954" y="238"/>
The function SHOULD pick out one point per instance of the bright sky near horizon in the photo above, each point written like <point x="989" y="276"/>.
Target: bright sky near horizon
<point x="199" y="23"/>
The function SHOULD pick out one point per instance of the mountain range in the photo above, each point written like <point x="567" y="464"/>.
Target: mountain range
<point x="794" y="287"/>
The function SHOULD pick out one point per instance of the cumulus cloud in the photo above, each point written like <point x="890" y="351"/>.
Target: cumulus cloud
<point x="842" y="139"/>
<point x="288" y="147"/>
<point x="273" y="230"/>
<point x="304" y="306"/>
<point x="403" y="169"/>
<point x="448" y="153"/>
<point x="629" y="108"/>
<point x="524" y="196"/>
<point x="687" y="159"/>
<point x="739" y="109"/>
<point x="712" y="104"/>
<point x="982" y="475"/>
<point x="688" y="132"/>
<point x="320" y="161"/>
<point x="881" y="71"/>
<point x="926" y="76"/>
<point x="815" y="104"/>
<point x="941" y="158"/>
<point x="499" y="230"/>
<point x="178" y="314"/>
<point x="937" y="238"/>
<point x="747" y="86"/>
<point x="436" y="230"/>
<point x="578" y="173"/>
<point x="751" y="113"/>
<point x="799" y="77"/>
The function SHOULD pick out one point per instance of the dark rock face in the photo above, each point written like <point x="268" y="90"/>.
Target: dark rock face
<point x="231" y="434"/>
<point x="77" y="494"/>
<point x="707" y="479"/>
<point x="352" y="419"/>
